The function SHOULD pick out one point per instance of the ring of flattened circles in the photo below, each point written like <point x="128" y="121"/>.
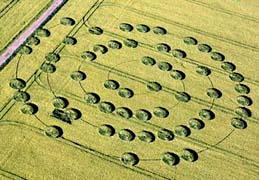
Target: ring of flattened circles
<point x="205" y="114"/>
<point x="127" y="135"/>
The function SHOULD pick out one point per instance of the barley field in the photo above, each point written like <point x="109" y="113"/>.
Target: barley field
<point x="124" y="90"/>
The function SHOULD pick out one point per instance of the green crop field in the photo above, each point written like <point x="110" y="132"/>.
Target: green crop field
<point x="123" y="90"/>
<point x="4" y="4"/>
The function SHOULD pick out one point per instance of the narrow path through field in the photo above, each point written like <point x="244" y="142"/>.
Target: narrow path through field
<point x="27" y="33"/>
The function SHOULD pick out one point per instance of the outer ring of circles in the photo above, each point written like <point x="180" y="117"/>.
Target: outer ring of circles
<point x="128" y="158"/>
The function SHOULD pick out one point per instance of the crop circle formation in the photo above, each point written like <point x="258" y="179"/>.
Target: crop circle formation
<point x="142" y="115"/>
